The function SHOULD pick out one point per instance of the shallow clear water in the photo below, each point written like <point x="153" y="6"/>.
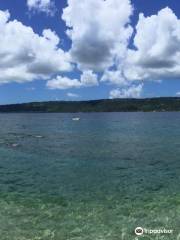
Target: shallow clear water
<point x="93" y="179"/>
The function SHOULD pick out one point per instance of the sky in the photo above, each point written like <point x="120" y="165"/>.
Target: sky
<point x="91" y="49"/>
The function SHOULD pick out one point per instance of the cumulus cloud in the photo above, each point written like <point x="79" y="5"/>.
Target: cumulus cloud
<point x="156" y="51"/>
<point x="133" y="91"/>
<point x="25" y="55"/>
<point x="46" y="6"/>
<point x="115" y="77"/>
<point x="99" y="31"/>
<point x="63" y="83"/>
<point x="72" y="95"/>
<point x="88" y="79"/>
<point x="157" y="43"/>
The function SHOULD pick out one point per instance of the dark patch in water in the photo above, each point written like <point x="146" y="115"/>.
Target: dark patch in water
<point x="12" y="181"/>
<point x="121" y="168"/>
<point x="155" y="188"/>
<point x="153" y="163"/>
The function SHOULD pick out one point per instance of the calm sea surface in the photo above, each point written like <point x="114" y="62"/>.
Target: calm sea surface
<point x="94" y="179"/>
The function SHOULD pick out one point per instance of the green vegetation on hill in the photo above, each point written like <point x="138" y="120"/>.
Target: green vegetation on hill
<point x="109" y="105"/>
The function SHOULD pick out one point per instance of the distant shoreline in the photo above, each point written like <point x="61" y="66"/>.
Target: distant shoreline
<point x="162" y="104"/>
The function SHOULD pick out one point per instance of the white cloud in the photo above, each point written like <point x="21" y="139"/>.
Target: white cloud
<point x="46" y="6"/>
<point x="99" y="31"/>
<point x="88" y="78"/>
<point x="63" y="83"/>
<point x="114" y="77"/>
<point x="72" y="95"/>
<point x="26" y="56"/>
<point x="156" y="54"/>
<point x="178" y="94"/>
<point x="157" y="43"/>
<point x="133" y="91"/>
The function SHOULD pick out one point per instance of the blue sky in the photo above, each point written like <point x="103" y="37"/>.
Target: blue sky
<point x="147" y="68"/>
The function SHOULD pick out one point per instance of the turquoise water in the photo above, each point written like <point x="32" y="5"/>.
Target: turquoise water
<point x="94" y="179"/>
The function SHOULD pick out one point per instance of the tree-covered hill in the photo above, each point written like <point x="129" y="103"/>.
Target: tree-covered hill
<point x="108" y="105"/>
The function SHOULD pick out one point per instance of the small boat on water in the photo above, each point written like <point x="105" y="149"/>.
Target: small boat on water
<point x="14" y="145"/>
<point x="38" y="136"/>
<point x="76" y="119"/>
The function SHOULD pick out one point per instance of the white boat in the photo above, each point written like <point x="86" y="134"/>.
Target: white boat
<point x="76" y="119"/>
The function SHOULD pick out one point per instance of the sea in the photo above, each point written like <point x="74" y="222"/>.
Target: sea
<point x="98" y="178"/>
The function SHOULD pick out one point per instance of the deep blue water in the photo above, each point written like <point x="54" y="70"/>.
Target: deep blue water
<point x="95" y="179"/>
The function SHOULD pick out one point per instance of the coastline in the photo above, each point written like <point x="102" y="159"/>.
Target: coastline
<point x="163" y="104"/>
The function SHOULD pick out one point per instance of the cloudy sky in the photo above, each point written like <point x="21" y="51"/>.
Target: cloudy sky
<point x="88" y="49"/>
